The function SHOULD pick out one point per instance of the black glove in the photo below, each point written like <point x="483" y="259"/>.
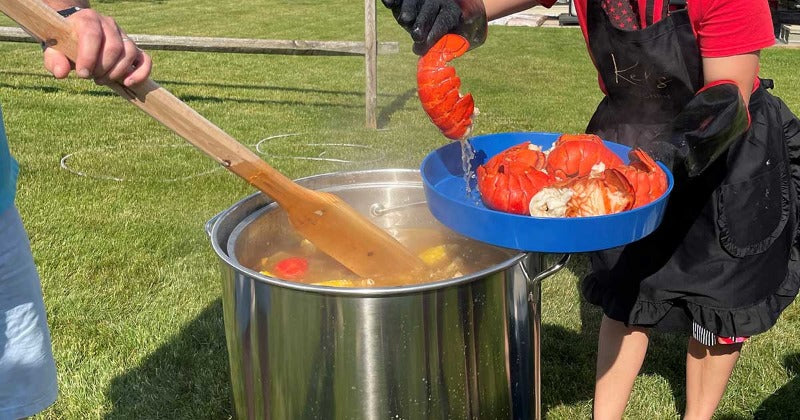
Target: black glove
<point x="429" y="20"/>
<point x="703" y="130"/>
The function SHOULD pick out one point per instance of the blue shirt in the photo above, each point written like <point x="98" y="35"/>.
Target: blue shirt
<point x="8" y="170"/>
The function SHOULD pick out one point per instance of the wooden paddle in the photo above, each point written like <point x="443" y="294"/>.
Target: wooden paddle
<point x="323" y="218"/>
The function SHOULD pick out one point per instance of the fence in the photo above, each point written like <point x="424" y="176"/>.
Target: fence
<point x="370" y="49"/>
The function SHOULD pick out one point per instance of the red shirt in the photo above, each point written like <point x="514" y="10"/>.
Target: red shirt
<point x="722" y="27"/>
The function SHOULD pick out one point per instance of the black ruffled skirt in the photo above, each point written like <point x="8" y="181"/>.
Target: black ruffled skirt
<point x="726" y="255"/>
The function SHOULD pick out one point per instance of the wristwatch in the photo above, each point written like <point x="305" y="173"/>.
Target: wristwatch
<point x="65" y="13"/>
<point x="70" y="11"/>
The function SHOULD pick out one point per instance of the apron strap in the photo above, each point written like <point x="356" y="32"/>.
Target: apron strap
<point x="649" y="16"/>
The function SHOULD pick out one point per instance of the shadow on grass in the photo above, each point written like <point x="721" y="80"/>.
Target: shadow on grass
<point x="384" y="117"/>
<point x="213" y="85"/>
<point x="187" y="378"/>
<point x="218" y="85"/>
<point x="783" y="403"/>
<point x="42" y="89"/>
<point x="105" y="93"/>
<point x="263" y="87"/>
<point x="399" y="101"/>
<point x="230" y="99"/>
<point x="568" y="359"/>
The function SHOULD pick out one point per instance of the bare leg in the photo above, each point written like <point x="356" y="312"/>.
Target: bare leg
<point x="707" y="372"/>
<point x="620" y="353"/>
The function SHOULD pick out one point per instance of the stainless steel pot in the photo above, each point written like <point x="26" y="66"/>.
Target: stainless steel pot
<point x="463" y="348"/>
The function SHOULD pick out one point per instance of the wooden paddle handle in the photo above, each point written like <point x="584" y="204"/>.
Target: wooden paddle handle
<point x="46" y="24"/>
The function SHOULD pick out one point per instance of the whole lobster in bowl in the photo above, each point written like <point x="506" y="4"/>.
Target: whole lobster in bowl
<point x="578" y="177"/>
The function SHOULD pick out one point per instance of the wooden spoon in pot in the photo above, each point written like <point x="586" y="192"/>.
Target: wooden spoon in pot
<point x="323" y="218"/>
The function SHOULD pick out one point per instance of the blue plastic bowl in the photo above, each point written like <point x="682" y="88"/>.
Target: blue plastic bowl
<point x="445" y="190"/>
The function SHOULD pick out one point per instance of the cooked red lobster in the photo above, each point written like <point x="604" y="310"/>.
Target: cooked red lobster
<point x="438" y="84"/>
<point x="608" y="193"/>
<point x="569" y="181"/>
<point x="509" y="180"/>
<point x="647" y="178"/>
<point x="576" y="154"/>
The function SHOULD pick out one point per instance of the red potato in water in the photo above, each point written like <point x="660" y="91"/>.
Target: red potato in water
<point x="291" y="268"/>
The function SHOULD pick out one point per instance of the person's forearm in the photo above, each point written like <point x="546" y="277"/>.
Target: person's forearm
<point x="66" y="4"/>
<point x="741" y="69"/>
<point x="499" y="8"/>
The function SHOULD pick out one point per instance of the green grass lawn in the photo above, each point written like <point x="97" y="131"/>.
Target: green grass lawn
<point x="130" y="282"/>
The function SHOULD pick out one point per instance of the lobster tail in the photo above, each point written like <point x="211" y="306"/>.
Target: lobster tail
<point x="509" y="180"/>
<point x="437" y="87"/>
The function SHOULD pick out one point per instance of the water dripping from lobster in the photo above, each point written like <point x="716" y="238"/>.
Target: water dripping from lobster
<point x="467" y="156"/>
<point x="438" y="90"/>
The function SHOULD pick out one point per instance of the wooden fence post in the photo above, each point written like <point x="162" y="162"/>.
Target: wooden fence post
<point x="371" y="62"/>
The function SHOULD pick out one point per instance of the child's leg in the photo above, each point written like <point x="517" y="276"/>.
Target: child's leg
<point x="620" y="353"/>
<point x="708" y="369"/>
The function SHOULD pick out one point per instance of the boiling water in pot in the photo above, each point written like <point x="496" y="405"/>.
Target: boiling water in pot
<point x="446" y="254"/>
<point x="270" y="246"/>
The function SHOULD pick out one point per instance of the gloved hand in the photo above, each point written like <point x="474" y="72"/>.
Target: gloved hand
<point x="429" y="20"/>
<point x="704" y="129"/>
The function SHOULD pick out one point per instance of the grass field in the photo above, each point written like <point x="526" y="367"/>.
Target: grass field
<point x="130" y="282"/>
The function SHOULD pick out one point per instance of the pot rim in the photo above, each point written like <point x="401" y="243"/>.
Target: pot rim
<point x="212" y="228"/>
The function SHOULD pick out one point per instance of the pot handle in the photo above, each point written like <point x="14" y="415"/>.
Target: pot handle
<point x="211" y="222"/>
<point x="545" y="273"/>
<point x="562" y="262"/>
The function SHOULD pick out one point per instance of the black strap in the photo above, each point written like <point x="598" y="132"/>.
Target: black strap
<point x="650" y="10"/>
<point x="678" y="4"/>
<point x="70" y="11"/>
<point x="648" y="13"/>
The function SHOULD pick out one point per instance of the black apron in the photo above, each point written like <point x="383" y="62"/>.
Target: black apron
<point x="726" y="253"/>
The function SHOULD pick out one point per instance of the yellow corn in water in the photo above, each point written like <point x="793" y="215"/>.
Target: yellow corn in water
<point x="434" y="255"/>
<point x="336" y="283"/>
